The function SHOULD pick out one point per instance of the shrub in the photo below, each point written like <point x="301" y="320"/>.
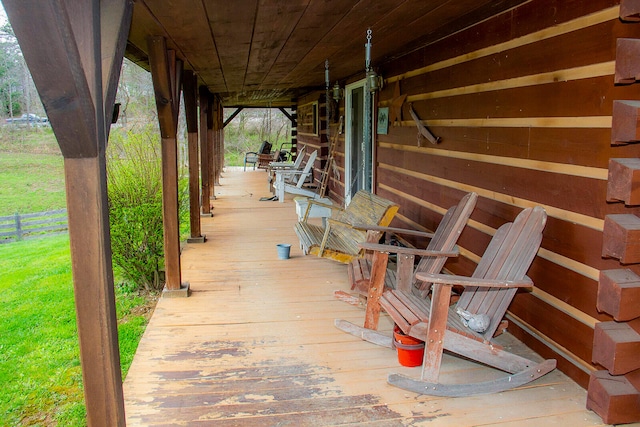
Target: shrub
<point x="134" y="177"/>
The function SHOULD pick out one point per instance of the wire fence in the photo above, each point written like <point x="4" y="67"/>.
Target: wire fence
<point x="27" y="226"/>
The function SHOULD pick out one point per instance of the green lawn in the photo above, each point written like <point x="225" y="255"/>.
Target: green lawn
<point x="40" y="374"/>
<point x="31" y="182"/>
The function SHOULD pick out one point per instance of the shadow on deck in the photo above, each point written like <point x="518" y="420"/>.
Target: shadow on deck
<point x="255" y="345"/>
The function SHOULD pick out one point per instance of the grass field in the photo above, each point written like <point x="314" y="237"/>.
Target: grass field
<point x="40" y="375"/>
<point x="31" y="172"/>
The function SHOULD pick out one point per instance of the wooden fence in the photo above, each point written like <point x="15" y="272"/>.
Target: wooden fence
<point x="20" y="227"/>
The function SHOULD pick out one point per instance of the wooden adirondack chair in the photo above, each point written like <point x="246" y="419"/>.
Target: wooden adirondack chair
<point x="487" y="295"/>
<point x="374" y="276"/>
<point x="275" y="165"/>
<point x="265" y="159"/>
<point x="253" y="157"/>
<point x="292" y="180"/>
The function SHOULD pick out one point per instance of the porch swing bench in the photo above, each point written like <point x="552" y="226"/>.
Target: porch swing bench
<point x="346" y="228"/>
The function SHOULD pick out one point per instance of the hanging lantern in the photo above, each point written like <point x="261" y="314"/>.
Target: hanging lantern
<point x="374" y="82"/>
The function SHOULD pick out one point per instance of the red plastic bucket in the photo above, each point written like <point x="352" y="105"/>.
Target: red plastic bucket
<point x="410" y="350"/>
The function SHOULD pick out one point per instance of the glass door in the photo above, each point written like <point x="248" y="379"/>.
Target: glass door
<point x="358" y="142"/>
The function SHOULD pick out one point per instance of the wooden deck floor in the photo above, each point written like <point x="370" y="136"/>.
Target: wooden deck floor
<point x="255" y="344"/>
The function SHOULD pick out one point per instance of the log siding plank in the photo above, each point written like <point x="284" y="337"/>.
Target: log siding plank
<point x="566" y="215"/>
<point x="544" y="166"/>
<point x="534" y="37"/>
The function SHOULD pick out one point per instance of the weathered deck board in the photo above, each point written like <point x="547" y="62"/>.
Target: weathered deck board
<point x="255" y="343"/>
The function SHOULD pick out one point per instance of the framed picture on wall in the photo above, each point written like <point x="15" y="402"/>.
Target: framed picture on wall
<point x="383" y="120"/>
<point x="308" y="118"/>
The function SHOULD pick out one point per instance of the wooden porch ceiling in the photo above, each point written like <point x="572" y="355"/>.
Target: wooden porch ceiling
<point x="266" y="52"/>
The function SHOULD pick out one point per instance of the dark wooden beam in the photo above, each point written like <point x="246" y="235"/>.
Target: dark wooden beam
<point x="286" y="114"/>
<point x="211" y="145"/>
<point x="218" y="129"/>
<point x="232" y="116"/>
<point x="294" y="129"/>
<point x="221" y="132"/>
<point x="76" y="71"/>
<point x="161" y="74"/>
<point x="165" y="69"/>
<point x="59" y="69"/>
<point x="190" y="85"/>
<point x="116" y="15"/>
<point x="93" y="287"/>
<point x="204" y="150"/>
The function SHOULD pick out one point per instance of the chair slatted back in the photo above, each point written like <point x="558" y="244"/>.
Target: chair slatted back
<point x="307" y="168"/>
<point x="508" y="257"/>
<point x="446" y="236"/>
<point x="299" y="158"/>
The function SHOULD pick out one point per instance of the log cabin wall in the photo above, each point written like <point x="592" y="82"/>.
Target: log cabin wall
<point x="311" y="130"/>
<point x="523" y="105"/>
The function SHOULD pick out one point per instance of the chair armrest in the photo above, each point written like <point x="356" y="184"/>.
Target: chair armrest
<point x="335" y="222"/>
<point x="324" y="205"/>
<point x="449" y="279"/>
<point x="393" y="230"/>
<point x="312" y="202"/>
<point x="407" y="251"/>
<point x="281" y="165"/>
<point x="291" y="172"/>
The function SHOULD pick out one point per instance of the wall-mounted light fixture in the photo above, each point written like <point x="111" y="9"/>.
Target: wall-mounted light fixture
<point x="337" y="92"/>
<point x="374" y="81"/>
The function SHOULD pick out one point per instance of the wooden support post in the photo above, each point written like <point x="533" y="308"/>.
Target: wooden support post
<point x="216" y="142"/>
<point x="76" y="73"/>
<point x="211" y="146"/>
<point x="93" y="288"/>
<point x="166" y="74"/>
<point x="220" y="140"/>
<point x="204" y="152"/>
<point x="294" y="129"/>
<point x="190" y="84"/>
<point x="170" y="214"/>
